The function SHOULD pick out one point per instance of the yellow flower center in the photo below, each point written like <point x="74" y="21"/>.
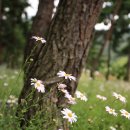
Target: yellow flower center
<point x="70" y="114"/>
<point x="67" y="75"/>
<point x="38" y="84"/>
<point x="111" y="110"/>
<point x="126" y="113"/>
<point x="39" y="38"/>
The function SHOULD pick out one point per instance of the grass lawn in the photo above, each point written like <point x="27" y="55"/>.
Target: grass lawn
<point x="91" y="114"/>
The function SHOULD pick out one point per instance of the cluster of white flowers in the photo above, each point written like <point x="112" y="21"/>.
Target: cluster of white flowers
<point x="71" y="100"/>
<point x="101" y="97"/>
<point x="119" y="97"/>
<point x="111" y="111"/>
<point x="62" y="87"/>
<point x="123" y="112"/>
<point x="38" y="85"/>
<point x="68" y="114"/>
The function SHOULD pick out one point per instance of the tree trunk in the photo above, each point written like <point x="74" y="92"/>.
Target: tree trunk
<point x="40" y="24"/>
<point x="68" y="43"/>
<point x="0" y="10"/>
<point x="108" y="61"/>
<point x="107" y="37"/>
<point x="128" y="69"/>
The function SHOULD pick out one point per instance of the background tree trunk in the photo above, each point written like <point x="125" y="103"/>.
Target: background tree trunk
<point x="128" y="69"/>
<point x="40" y="24"/>
<point x="68" y="43"/>
<point x="108" y="61"/>
<point x="107" y="39"/>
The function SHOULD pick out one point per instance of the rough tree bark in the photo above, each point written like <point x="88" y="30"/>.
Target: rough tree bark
<point x="107" y="39"/>
<point x="68" y="43"/>
<point x="41" y="23"/>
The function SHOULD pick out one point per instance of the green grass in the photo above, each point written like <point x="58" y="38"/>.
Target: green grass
<point x="91" y="114"/>
<point x="13" y="80"/>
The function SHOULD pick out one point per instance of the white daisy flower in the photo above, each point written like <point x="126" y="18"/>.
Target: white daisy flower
<point x="71" y="100"/>
<point x="81" y="96"/>
<point x="119" y="97"/>
<point x="125" y="113"/>
<point x="111" y="111"/>
<point x="101" y="97"/>
<point x="78" y="93"/>
<point x="67" y="76"/>
<point x="38" y="85"/>
<point x="42" y="40"/>
<point x="69" y="115"/>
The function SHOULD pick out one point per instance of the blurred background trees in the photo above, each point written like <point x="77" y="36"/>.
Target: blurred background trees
<point x="13" y="32"/>
<point x="113" y="29"/>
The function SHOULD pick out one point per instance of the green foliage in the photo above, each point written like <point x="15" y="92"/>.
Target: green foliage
<point x="120" y="43"/>
<point x="118" y="68"/>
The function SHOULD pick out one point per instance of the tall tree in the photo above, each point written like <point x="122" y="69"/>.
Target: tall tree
<point x="67" y="46"/>
<point x="41" y="23"/>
